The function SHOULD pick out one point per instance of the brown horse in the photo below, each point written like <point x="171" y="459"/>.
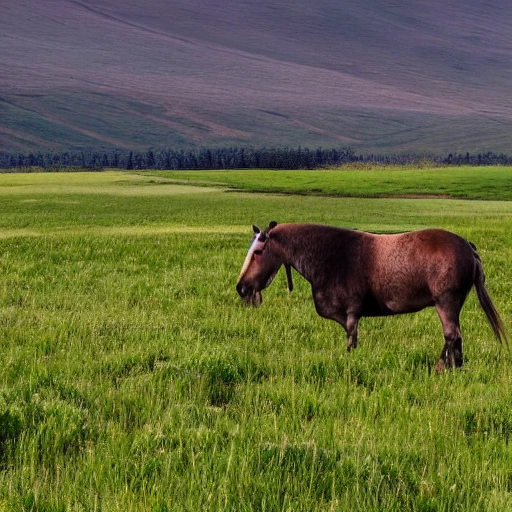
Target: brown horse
<point x="355" y="274"/>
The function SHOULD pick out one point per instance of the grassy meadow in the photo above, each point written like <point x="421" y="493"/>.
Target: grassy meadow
<point x="132" y="378"/>
<point x="464" y="182"/>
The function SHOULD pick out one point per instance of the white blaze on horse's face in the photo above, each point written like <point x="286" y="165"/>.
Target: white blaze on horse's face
<point x="256" y="245"/>
<point x="259" y="268"/>
<point x="247" y="289"/>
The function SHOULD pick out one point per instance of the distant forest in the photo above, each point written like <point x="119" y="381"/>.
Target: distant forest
<point x="230" y="158"/>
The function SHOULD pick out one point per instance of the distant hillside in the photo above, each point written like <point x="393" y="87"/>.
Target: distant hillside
<point x="429" y="75"/>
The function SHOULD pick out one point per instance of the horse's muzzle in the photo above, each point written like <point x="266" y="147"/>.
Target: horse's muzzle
<point x="249" y="295"/>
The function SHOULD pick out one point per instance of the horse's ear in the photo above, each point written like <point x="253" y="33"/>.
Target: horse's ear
<point x="256" y="229"/>
<point x="272" y="225"/>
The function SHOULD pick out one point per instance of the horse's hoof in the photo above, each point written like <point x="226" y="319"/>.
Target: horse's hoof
<point x="440" y="366"/>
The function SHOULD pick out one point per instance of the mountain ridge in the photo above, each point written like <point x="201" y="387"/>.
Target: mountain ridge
<point x="111" y="74"/>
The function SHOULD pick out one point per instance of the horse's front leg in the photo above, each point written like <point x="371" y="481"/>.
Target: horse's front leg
<point x="351" y="328"/>
<point x="350" y="323"/>
<point x="327" y="308"/>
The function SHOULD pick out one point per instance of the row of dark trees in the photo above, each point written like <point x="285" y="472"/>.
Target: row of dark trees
<point x="230" y="158"/>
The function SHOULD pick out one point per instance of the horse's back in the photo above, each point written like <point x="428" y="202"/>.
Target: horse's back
<point x="423" y="248"/>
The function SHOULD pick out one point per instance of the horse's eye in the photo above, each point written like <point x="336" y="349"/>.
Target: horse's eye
<point x="258" y="252"/>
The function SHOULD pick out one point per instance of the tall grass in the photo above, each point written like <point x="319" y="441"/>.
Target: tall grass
<point x="133" y="379"/>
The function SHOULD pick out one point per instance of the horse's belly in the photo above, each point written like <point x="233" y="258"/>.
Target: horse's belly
<point x="396" y="304"/>
<point x="397" y="307"/>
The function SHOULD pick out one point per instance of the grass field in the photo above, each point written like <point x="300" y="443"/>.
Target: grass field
<point x="132" y="378"/>
<point x="463" y="182"/>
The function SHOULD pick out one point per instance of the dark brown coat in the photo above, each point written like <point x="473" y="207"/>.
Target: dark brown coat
<point x="355" y="274"/>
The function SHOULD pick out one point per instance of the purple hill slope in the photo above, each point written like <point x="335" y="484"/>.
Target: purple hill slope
<point x="434" y="76"/>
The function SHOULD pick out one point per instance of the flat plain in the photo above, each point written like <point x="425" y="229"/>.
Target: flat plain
<point x="132" y="378"/>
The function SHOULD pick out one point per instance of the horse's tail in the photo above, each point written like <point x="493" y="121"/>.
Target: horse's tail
<point x="485" y="300"/>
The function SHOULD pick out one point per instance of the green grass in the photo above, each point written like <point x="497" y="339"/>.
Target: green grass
<point x="132" y="378"/>
<point x="455" y="182"/>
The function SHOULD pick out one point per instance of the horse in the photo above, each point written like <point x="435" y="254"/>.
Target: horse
<point x="355" y="274"/>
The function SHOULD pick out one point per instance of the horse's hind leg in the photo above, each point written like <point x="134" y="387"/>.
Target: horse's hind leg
<point x="451" y="355"/>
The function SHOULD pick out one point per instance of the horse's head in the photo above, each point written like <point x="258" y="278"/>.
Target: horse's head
<point x="260" y="266"/>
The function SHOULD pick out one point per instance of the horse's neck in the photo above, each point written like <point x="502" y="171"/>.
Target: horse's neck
<point x="303" y="259"/>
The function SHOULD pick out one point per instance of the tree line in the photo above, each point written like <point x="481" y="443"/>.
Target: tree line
<point x="231" y="158"/>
